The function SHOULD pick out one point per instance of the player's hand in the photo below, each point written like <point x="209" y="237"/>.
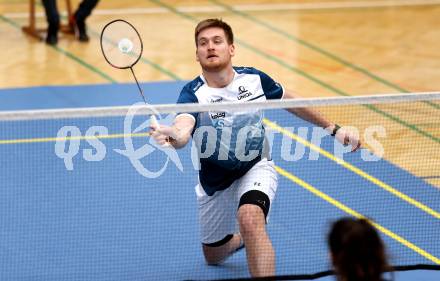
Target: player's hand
<point x="162" y="134"/>
<point x="348" y="138"/>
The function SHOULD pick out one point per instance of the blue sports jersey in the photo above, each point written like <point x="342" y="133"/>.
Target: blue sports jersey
<point x="229" y="143"/>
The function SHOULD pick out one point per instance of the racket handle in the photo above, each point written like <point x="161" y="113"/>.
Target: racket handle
<point x="153" y="121"/>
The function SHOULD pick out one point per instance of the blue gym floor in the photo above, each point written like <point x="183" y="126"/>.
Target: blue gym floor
<point x="104" y="221"/>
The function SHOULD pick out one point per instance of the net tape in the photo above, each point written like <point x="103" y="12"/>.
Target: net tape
<point x="88" y="112"/>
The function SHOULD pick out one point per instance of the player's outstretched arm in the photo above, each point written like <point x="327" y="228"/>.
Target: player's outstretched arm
<point x="177" y="135"/>
<point x="313" y="116"/>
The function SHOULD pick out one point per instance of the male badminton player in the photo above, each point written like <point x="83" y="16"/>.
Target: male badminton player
<point x="234" y="194"/>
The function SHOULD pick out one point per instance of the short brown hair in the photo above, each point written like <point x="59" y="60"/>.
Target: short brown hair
<point x="357" y="249"/>
<point x="204" y="24"/>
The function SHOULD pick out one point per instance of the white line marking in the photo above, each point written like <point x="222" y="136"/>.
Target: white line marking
<point x="254" y="7"/>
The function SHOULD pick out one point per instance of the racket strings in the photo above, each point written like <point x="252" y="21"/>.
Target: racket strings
<point x="121" y="44"/>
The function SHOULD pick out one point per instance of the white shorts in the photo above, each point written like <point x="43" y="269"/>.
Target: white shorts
<point x="218" y="213"/>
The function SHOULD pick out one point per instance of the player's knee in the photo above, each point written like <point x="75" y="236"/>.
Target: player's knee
<point x="253" y="209"/>
<point x="251" y="220"/>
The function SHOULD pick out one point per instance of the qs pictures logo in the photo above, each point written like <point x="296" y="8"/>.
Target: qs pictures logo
<point x="136" y="155"/>
<point x="69" y="138"/>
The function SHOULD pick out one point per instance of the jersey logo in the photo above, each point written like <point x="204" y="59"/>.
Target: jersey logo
<point x="243" y="93"/>
<point x="216" y="115"/>
<point x="199" y="84"/>
<point x="262" y="202"/>
<point x="216" y="100"/>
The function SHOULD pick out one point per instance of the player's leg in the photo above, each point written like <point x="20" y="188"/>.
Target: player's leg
<point x="257" y="191"/>
<point x="259" y="250"/>
<point x="218" y="225"/>
<point x="215" y="253"/>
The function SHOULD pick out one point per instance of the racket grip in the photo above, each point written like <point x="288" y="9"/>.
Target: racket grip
<point x="153" y="121"/>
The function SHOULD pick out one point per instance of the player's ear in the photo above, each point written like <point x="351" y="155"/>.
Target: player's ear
<point x="232" y="50"/>
<point x="197" y="56"/>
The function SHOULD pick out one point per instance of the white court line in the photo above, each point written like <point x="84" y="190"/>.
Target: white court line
<point x="336" y="5"/>
<point x="254" y="7"/>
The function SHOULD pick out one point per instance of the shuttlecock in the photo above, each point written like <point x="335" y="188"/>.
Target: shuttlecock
<point x="125" y="45"/>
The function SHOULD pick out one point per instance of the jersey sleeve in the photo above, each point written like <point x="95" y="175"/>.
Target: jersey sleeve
<point x="272" y="90"/>
<point x="187" y="96"/>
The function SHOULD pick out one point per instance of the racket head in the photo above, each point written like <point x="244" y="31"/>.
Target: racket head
<point x="121" y="44"/>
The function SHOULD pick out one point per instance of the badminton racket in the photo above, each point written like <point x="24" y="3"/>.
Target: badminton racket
<point x="122" y="48"/>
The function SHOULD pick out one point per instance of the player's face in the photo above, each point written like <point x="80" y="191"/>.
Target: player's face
<point x="213" y="51"/>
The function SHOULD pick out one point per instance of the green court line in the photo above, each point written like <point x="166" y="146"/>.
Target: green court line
<point x="280" y="61"/>
<point x="108" y="78"/>
<point x="13" y="23"/>
<point x="72" y="56"/>
<point x="317" y="49"/>
<point x="83" y="63"/>
<point x="89" y="66"/>
<point x="152" y="64"/>
<point x="307" y="75"/>
<point x="67" y="54"/>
